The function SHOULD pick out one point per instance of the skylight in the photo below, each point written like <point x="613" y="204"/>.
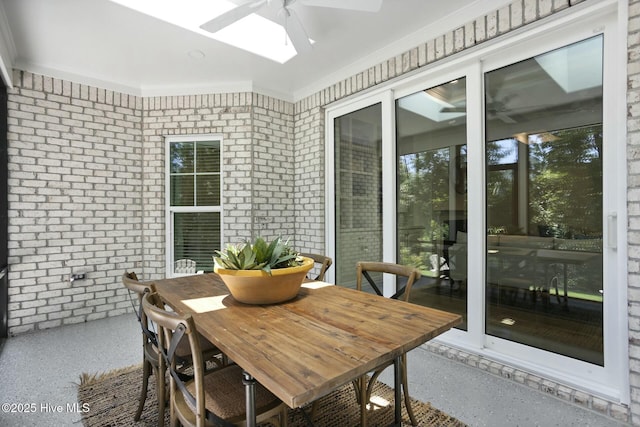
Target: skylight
<point x="428" y="106"/>
<point x="254" y="33"/>
<point x="566" y="65"/>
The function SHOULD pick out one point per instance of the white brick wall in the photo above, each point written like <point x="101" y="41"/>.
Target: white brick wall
<point x="258" y="178"/>
<point x="86" y="188"/>
<point x="310" y="179"/>
<point x="633" y="195"/>
<point x="226" y="114"/>
<point x="74" y="200"/>
<point x="274" y="168"/>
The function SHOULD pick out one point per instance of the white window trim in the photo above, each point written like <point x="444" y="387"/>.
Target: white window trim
<point x="574" y="24"/>
<point x="169" y="210"/>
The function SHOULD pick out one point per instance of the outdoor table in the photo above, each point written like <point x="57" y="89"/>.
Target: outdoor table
<point x="305" y="348"/>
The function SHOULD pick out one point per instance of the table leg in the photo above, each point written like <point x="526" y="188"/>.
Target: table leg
<point x="363" y="400"/>
<point x="250" y="397"/>
<point x="397" y="385"/>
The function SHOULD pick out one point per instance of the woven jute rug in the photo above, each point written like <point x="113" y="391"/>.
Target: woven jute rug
<point x="112" y="400"/>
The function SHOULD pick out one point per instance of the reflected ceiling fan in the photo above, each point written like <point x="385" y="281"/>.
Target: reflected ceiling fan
<point x="292" y="24"/>
<point x="495" y="109"/>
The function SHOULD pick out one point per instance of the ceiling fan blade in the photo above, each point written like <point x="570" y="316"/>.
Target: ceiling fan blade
<point x="361" y="5"/>
<point x="505" y="118"/>
<point x="228" y="18"/>
<point x="296" y="32"/>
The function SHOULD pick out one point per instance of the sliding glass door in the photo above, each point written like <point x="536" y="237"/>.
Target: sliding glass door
<point x="431" y="135"/>
<point x="544" y="171"/>
<point x="358" y="190"/>
<point x="504" y="192"/>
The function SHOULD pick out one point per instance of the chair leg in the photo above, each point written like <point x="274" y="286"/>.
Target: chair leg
<point x="405" y="389"/>
<point x="173" y="417"/>
<point x="146" y="373"/>
<point x="161" y="391"/>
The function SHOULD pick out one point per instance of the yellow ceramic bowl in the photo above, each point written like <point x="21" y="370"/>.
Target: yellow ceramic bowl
<point x="258" y="287"/>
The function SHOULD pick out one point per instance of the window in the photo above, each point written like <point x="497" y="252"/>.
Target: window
<point x="194" y="213"/>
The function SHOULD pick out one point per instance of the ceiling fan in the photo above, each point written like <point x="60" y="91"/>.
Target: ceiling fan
<point x="495" y="109"/>
<point x="292" y="24"/>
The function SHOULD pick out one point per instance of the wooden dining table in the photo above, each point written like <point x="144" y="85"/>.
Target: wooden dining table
<point x="309" y="346"/>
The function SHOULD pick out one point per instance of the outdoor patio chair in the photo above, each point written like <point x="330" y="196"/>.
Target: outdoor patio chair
<point x="151" y="364"/>
<point x="321" y="265"/>
<point x="186" y="266"/>
<point x="216" y="397"/>
<point x="402" y="293"/>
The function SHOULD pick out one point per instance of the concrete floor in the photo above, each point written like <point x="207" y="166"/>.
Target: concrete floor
<point x="41" y="370"/>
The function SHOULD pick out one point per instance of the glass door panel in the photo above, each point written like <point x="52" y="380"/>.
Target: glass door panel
<point x="544" y="197"/>
<point x="358" y="195"/>
<point x="431" y="151"/>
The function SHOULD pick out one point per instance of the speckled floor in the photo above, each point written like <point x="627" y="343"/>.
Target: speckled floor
<point x="39" y="371"/>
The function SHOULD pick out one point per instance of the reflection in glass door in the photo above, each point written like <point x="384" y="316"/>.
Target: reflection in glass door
<point x="544" y="214"/>
<point x="431" y="136"/>
<point x="358" y="194"/>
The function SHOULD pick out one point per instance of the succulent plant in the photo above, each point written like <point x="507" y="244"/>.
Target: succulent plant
<point x="258" y="255"/>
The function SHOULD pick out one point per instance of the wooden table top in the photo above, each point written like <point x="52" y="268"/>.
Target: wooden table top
<point x="305" y="348"/>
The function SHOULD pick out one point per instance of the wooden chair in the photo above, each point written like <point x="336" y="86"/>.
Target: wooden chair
<point x="185" y="266"/>
<point x="412" y="275"/>
<point x="321" y="264"/>
<point x="213" y="398"/>
<point x="151" y="363"/>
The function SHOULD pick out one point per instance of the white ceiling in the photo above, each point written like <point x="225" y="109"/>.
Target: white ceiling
<point x="101" y="43"/>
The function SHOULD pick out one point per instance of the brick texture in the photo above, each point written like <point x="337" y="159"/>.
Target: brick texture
<point x="87" y="177"/>
<point x="75" y="205"/>
<point x="633" y="206"/>
<point x="87" y="188"/>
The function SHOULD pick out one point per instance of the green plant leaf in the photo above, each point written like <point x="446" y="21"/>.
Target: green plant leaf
<point x="258" y="256"/>
<point x="261" y="250"/>
<point x="233" y="259"/>
<point x="276" y="251"/>
<point x="247" y="257"/>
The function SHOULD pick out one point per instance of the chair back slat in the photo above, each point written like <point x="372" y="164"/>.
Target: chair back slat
<point x="321" y="264"/>
<point x="185" y="266"/>
<point x="410" y="273"/>
<point x="131" y="282"/>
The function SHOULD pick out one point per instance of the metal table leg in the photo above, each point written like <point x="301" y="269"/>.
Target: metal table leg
<point x="362" y="381"/>
<point x="250" y="398"/>
<point x="397" y="385"/>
